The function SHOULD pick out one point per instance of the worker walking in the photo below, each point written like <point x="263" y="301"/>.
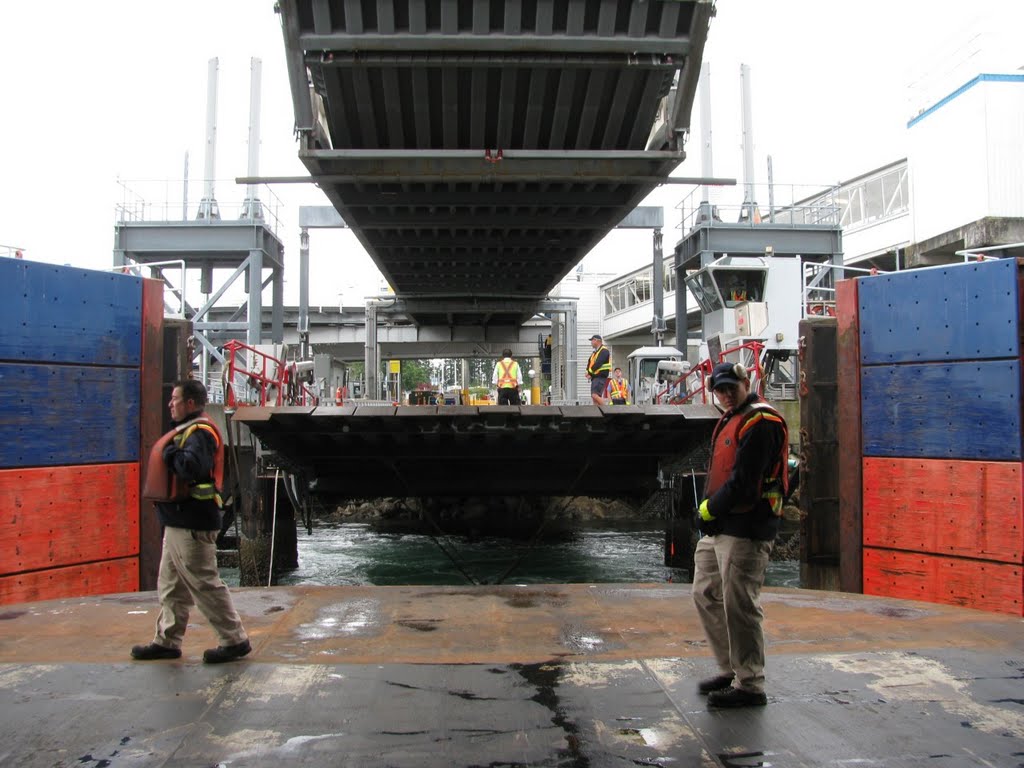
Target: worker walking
<point x="598" y="367"/>
<point x="192" y="455"/>
<point x="619" y="391"/>
<point x="508" y="378"/>
<point x="739" y="519"/>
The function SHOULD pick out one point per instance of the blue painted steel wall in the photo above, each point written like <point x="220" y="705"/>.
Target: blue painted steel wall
<point x="961" y="312"/>
<point x="940" y="362"/>
<point x="942" y="410"/>
<point x="70" y="351"/>
<point x="64" y="315"/>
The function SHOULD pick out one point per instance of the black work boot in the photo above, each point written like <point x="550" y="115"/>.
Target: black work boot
<point x="716" y="683"/>
<point x="223" y="653"/>
<point x="153" y="651"/>
<point x="733" y="698"/>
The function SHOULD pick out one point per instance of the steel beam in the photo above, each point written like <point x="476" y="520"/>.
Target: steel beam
<point x="505" y="60"/>
<point x="497" y="42"/>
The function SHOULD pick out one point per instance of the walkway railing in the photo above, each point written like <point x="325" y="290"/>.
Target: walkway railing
<point x="12" y="251"/>
<point x="794" y="205"/>
<point x="264" y="380"/>
<point x="168" y="200"/>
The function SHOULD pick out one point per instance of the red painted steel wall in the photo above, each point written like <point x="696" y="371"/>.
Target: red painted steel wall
<point x="945" y="531"/>
<point x="103" y="578"/>
<point x="967" y="509"/>
<point x="153" y="407"/>
<point x="977" y="584"/>
<point x="68" y="515"/>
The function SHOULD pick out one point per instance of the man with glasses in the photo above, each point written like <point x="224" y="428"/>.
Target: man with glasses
<point x="739" y="520"/>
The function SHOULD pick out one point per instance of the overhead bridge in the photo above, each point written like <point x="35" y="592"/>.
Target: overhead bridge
<point x="479" y="149"/>
<point x="371" y="451"/>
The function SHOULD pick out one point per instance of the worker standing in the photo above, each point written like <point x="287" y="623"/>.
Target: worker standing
<point x="619" y="391"/>
<point x="508" y="378"/>
<point x="739" y="519"/>
<point x="598" y="367"/>
<point x="193" y="454"/>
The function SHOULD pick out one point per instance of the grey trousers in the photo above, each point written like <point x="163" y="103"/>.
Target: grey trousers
<point x="189" y="576"/>
<point x="727" y="580"/>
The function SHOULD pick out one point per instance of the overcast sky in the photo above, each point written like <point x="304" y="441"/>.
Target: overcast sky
<point x="116" y="89"/>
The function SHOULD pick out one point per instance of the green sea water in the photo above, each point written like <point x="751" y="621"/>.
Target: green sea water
<point x="357" y="554"/>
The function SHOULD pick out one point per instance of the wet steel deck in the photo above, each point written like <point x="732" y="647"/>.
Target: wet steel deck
<point x="564" y="675"/>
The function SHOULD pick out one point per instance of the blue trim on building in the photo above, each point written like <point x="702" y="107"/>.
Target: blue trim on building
<point x="963" y="89"/>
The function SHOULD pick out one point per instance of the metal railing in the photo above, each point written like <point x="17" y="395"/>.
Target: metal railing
<point x="820" y="300"/>
<point x="265" y="380"/>
<point x="11" y="251"/>
<point x="981" y="254"/>
<point x="170" y="200"/>
<point x="793" y="205"/>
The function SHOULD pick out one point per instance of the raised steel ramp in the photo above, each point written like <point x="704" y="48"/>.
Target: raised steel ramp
<point x="479" y="148"/>
<point x="552" y="676"/>
<point x="369" y="451"/>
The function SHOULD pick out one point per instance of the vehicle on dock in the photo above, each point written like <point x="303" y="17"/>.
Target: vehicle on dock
<point x="656" y="374"/>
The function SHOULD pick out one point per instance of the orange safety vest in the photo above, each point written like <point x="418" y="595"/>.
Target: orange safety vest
<point x="161" y="484"/>
<point x="606" y="368"/>
<point x="725" y="444"/>
<point x="618" y="389"/>
<point x="339" y="398"/>
<point x="508" y="378"/>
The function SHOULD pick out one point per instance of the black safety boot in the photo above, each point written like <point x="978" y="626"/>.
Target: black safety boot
<point x="223" y="653"/>
<point x="733" y="698"/>
<point x="716" y="683"/>
<point x="153" y="651"/>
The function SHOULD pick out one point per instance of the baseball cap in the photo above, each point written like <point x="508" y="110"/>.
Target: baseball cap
<point x="728" y="373"/>
<point x="596" y="336"/>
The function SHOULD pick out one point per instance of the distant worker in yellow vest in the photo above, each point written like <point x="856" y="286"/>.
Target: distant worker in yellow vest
<point x="598" y="367"/>
<point x="191" y="459"/>
<point x="508" y="378"/>
<point x="618" y="389"/>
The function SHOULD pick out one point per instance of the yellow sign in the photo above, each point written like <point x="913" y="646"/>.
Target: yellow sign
<point x="394" y="366"/>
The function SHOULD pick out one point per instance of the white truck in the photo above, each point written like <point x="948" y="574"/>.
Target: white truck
<point x="657" y="375"/>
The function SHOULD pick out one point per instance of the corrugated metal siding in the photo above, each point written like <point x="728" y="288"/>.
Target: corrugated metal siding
<point x="1004" y="109"/>
<point x="966" y="157"/>
<point x="948" y="185"/>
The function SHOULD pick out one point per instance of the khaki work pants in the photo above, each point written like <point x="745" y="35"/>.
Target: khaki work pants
<point x="727" y="580"/>
<point x="189" y="576"/>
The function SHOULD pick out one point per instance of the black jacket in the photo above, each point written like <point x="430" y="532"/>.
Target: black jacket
<point x="730" y="504"/>
<point x="193" y="463"/>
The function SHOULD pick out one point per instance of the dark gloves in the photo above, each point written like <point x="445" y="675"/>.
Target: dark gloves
<point x="169" y="451"/>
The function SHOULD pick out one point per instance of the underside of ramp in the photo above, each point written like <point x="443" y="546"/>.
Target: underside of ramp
<point x="371" y="451"/>
<point x="480" y="148"/>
